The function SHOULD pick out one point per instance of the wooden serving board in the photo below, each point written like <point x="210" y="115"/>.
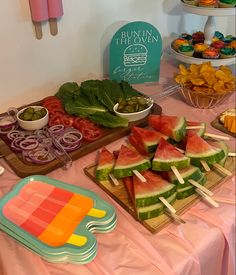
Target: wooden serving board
<point x="219" y="126"/>
<point x="23" y="168"/>
<point x="120" y="195"/>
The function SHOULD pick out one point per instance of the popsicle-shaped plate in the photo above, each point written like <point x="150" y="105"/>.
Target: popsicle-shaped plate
<point x="56" y="218"/>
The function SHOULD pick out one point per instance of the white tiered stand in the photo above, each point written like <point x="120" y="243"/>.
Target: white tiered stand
<point x="209" y="30"/>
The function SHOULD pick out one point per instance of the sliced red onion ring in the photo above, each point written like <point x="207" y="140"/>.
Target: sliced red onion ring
<point x="66" y="146"/>
<point x="40" y="155"/>
<point x="72" y="137"/>
<point x="56" y="129"/>
<point x="7" y="121"/>
<point x="28" y="144"/>
<point x="14" y="134"/>
<point x="7" y="130"/>
<point x="15" y="144"/>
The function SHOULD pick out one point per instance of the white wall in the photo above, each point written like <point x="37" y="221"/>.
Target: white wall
<point x="31" y="69"/>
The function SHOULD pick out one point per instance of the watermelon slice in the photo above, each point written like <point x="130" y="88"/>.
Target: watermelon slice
<point x="200" y="131"/>
<point x="222" y="145"/>
<point x="137" y="145"/>
<point x="172" y="126"/>
<point x="167" y="155"/>
<point x="198" y="149"/>
<point x="148" y="138"/>
<point x="129" y="160"/>
<point x="149" y="192"/>
<point x="152" y="211"/>
<point x="187" y="191"/>
<point x="128" y="183"/>
<point x="106" y="161"/>
<point x="190" y="172"/>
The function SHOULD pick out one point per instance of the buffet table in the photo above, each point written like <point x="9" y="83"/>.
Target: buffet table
<point x="205" y="244"/>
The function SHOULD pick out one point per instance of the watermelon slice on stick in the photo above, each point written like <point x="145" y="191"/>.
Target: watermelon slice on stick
<point x="129" y="160"/>
<point x="172" y="126"/>
<point x="148" y="138"/>
<point x="105" y="164"/>
<point x="167" y="158"/>
<point x="198" y="150"/>
<point x="199" y="127"/>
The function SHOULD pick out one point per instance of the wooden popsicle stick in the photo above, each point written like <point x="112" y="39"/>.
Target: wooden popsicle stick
<point x="216" y="136"/>
<point x="232" y="154"/>
<point x="222" y="169"/>
<point x="38" y="30"/>
<point x="199" y="186"/>
<point x="114" y="180"/>
<point x="177" y="218"/>
<point x="140" y="176"/>
<point x="167" y="204"/>
<point x="207" y="198"/>
<point x="205" y="165"/>
<point x="177" y="174"/>
<point x="180" y="150"/>
<point x="195" y="127"/>
<point x="2" y="170"/>
<point x="53" y="26"/>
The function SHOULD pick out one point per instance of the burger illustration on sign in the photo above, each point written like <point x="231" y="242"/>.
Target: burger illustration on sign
<point x="135" y="55"/>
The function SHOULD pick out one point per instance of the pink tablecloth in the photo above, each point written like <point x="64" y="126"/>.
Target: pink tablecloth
<point x="204" y="245"/>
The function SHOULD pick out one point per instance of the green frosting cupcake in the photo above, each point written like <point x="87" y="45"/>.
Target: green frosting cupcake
<point x="227" y="52"/>
<point x="227" y="3"/>
<point x="230" y="2"/>
<point x="186" y="50"/>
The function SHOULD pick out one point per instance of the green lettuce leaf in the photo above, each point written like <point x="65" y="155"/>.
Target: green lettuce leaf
<point x="108" y="120"/>
<point x="82" y="110"/>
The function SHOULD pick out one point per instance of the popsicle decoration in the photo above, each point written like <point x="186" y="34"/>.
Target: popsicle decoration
<point x="39" y="13"/>
<point x="55" y="11"/>
<point x="43" y="10"/>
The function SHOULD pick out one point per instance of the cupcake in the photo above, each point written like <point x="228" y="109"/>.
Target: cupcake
<point x="199" y="48"/>
<point x="191" y="2"/>
<point x="186" y="50"/>
<point x="198" y="37"/>
<point x="227" y="52"/>
<point x="218" y="44"/>
<point x="178" y="42"/>
<point x="218" y="36"/>
<point x="211" y="53"/>
<point x="207" y="3"/>
<point x="232" y="44"/>
<point x="186" y="36"/>
<point x="228" y="38"/>
<point x="227" y="3"/>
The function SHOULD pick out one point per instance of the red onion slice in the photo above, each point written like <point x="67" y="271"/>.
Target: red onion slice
<point x="7" y="121"/>
<point x="28" y="144"/>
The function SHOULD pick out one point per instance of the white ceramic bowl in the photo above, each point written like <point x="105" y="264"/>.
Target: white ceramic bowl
<point x="136" y="115"/>
<point x="34" y="124"/>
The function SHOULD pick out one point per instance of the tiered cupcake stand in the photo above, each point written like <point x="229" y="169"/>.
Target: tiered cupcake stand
<point x="209" y="30"/>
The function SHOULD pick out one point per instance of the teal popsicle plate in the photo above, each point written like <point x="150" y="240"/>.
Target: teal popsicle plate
<point x="36" y="200"/>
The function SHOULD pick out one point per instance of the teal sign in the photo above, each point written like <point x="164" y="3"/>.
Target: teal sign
<point x="135" y="53"/>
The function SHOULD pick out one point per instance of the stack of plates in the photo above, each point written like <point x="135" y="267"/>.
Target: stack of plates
<point x="55" y="220"/>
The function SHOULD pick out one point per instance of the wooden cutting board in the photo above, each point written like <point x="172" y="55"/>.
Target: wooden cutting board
<point x="23" y="168"/>
<point x="120" y="195"/>
<point x="219" y="126"/>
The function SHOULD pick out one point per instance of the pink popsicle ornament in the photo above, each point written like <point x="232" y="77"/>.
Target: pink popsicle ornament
<point x="55" y="11"/>
<point x="39" y="13"/>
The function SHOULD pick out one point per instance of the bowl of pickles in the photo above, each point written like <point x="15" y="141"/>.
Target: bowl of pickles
<point x="32" y="117"/>
<point x="133" y="108"/>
